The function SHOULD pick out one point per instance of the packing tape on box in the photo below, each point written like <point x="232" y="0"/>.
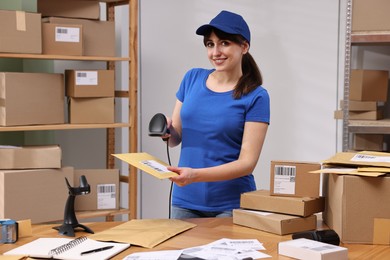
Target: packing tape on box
<point x="20" y="21"/>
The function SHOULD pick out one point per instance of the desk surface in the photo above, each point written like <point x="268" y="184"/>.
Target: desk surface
<point x="206" y="231"/>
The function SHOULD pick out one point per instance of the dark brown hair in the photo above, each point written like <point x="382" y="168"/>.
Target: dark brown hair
<point x="251" y="76"/>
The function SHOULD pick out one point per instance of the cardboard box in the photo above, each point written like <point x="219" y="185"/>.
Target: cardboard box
<point x="307" y="249"/>
<point x="39" y="194"/>
<point x="90" y="83"/>
<point x="262" y="200"/>
<point x="273" y="223"/>
<point x="370" y="15"/>
<point x="91" y="110"/>
<point x="368" y="142"/>
<point x="369" y="85"/>
<point x="354" y="105"/>
<point x="62" y="39"/>
<point x="31" y="98"/>
<point x="98" y="36"/>
<point x="30" y="157"/>
<point x="69" y="8"/>
<point x="354" y="204"/>
<point x="360" y="115"/>
<point x="104" y="189"/>
<point x="17" y="28"/>
<point x="291" y="178"/>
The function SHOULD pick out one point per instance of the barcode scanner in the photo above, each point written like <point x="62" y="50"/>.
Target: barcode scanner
<point x="158" y="125"/>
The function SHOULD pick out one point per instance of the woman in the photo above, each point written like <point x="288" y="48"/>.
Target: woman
<point x="220" y="118"/>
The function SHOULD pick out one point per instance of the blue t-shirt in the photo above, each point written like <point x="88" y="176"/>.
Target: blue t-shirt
<point x="212" y="131"/>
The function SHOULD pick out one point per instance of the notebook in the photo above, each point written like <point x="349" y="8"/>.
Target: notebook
<point x="65" y="248"/>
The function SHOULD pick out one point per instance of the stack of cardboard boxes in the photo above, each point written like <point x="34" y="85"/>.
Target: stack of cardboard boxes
<point x="70" y="28"/>
<point x="291" y="203"/>
<point x="32" y="185"/>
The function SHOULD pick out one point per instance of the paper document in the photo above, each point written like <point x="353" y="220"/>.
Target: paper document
<point x="147" y="163"/>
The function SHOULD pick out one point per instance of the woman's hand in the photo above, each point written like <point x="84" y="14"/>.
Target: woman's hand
<point x="186" y="175"/>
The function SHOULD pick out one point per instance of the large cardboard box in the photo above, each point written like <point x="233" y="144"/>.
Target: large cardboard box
<point x="104" y="189"/>
<point x="292" y="178"/>
<point x="368" y="142"/>
<point x="90" y="83"/>
<point x="62" y="39"/>
<point x="31" y="98"/>
<point x="370" y="15"/>
<point x="98" y="36"/>
<point x="69" y="8"/>
<point x="262" y="200"/>
<point x="355" y="206"/>
<point x="274" y="223"/>
<point x="20" y="32"/>
<point x="308" y="249"/>
<point x="30" y="157"/>
<point x="91" y="110"/>
<point x="369" y="85"/>
<point x="38" y="194"/>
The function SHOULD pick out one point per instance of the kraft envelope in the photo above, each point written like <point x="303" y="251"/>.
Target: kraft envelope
<point x="147" y="163"/>
<point x="144" y="232"/>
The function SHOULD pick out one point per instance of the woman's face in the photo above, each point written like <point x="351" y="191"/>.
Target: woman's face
<point x="225" y="55"/>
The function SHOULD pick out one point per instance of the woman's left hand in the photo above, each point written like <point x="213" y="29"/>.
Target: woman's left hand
<point x="185" y="175"/>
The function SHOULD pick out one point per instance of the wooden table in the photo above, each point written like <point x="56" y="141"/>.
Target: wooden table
<point x="206" y="231"/>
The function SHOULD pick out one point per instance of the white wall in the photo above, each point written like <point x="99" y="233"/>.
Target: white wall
<point x="295" y="43"/>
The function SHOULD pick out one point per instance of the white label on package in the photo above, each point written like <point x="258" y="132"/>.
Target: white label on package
<point x="155" y="166"/>
<point x="370" y="158"/>
<point x="106" y="196"/>
<point x="284" y="179"/>
<point x="86" y="78"/>
<point x="67" y="34"/>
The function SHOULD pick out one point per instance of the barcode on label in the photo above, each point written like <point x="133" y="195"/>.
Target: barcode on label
<point x="285" y="170"/>
<point x="107" y="188"/>
<point x="62" y="30"/>
<point x="81" y="74"/>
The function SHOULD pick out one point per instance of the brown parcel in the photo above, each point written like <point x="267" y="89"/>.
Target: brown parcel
<point x="355" y="205"/>
<point x="368" y="142"/>
<point x="370" y="15"/>
<point x="20" y="32"/>
<point x="369" y="85"/>
<point x="39" y="195"/>
<point x="274" y="223"/>
<point x="98" y="36"/>
<point x="91" y="110"/>
<point x="30" y="157"/>
<point x="90" y="83"/>
<point x="62" y="39"/>
<point x="31" y="98"/>
<point x="292" y="178"/>
<point x="299" y="206"/>
<point x="69" y="8"/>
<point x="104" y="189"/>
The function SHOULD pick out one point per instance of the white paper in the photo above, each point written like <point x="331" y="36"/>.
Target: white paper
<point x="106" y="196"/>
<point x="156" y="255"/>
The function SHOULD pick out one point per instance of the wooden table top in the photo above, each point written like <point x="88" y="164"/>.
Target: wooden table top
<point x="206" y="231"/>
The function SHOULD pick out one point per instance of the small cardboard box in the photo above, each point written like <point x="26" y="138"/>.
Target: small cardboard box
<point x="30" y="157"/>
<point x="292" y="178"/>
<point x="307" y="249"/>
<point x="62" y="39"/>
<point x="262" y="200"/>
<point x="360" y="115"/>
<point x="368" y="142"/>
<point x="104" y="189"/>
<point x="91" y="110"/>
<point x="20" y="32"/>
<point x="39" y="194"/>
<point x="273" y="223"/>
<point x="369" y="85"/>
<point x="354" y="204"/>
<point x="370" y="15"/>
<point x="69" y="8"/>
<point x="354" y="105"/>
<point x="98" y="36"/>
<point x="90" y="83"/>
<point x="31" y="98"/>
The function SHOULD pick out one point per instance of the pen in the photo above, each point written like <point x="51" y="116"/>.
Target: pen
<point x="96" y="250"/>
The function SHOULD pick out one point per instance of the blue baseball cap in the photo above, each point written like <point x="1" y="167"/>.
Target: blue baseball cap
<point x="227" y="22"/>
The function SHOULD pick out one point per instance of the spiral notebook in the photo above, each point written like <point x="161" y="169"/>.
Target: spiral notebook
<point x="65" y="248"/>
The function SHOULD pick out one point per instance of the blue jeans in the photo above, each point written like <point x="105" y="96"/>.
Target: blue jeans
<point x="178" y="213"/>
